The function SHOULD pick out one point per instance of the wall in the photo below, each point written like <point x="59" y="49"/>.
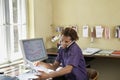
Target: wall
<point x="40" y="20"/>
<point x="44" y="15"/>
<point x="92" y="13"/>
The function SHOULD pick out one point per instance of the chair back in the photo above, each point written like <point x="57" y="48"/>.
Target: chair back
<point x="92" y="74"/>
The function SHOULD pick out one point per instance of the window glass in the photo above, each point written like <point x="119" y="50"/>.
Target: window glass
<point x="12" y="28"/>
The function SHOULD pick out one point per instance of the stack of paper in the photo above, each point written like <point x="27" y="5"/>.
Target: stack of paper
<point x="105" y="52"/>
<point x="90" y="51"/>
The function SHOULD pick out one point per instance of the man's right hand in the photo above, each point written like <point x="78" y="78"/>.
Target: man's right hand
<point x="39" y="63"/>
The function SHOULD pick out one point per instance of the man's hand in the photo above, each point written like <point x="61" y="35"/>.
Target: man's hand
<point x="43" y="76"/>
<point x="38" y="63"/>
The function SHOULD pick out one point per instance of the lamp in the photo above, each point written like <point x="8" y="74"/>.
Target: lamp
<point x="57" y="37"/>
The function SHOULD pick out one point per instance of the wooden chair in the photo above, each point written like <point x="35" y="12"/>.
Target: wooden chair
<point x="92" y="74"/>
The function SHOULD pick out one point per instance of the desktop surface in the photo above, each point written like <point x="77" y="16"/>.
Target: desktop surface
<point x="51" y="51"/>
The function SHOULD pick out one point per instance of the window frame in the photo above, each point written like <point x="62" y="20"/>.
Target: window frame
<point x="9" y="25"/>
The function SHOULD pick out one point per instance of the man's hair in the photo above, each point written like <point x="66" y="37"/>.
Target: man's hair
<point x="69" y="32"/>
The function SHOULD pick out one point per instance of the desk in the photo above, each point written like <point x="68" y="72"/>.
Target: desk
<point x="14" y="73"/>
<point x="102" y="56"/>
<point x="53" y="51"/>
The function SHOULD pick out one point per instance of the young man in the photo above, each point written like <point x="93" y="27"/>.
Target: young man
<point x="71" y="58"/>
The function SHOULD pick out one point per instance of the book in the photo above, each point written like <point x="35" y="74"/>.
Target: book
<point x="116" y="52"/>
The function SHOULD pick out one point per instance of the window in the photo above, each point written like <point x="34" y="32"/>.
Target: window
<point x="12" y="29"/>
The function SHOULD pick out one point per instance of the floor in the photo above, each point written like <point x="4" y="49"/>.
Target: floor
<point x="109" y="68"/>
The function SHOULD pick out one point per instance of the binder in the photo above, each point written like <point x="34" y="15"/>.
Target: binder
<point x="117" y="53"/>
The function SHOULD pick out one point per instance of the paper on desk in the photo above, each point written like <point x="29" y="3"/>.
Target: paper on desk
<point x="105" y="52"/>
<point x="90" y="51"/>
<point x="27" y="76"/>
<point x="40" y="68"/>
<point x="32" y="75"/>
<point x="85" y="31"/>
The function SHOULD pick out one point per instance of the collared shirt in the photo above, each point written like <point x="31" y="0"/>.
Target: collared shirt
<point x="70" y="43"/>
<point x="72" y="55"/>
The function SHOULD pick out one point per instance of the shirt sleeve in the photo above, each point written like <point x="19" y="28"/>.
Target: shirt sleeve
<point x="75" y="56"/>
<point x="58" y="58"/>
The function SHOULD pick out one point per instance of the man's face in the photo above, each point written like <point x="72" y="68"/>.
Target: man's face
<point x="65" y="41"/>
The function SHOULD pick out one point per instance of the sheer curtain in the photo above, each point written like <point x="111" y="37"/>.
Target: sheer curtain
<point x="3" y="53"/>
<point x="3" y="47"/>
<point x="12" y="29"/>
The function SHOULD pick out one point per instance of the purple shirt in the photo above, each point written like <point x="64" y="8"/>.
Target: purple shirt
<point x="73" y="56"/>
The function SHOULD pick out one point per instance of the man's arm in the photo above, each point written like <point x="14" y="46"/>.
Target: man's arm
<point x="61" y="72"/>
<point x="53" y="66"/>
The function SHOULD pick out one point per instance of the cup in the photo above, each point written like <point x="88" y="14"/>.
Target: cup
<point x="21" y="68"/>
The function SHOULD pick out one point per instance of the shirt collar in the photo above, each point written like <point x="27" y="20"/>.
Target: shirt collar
<point x="70" y="44"/>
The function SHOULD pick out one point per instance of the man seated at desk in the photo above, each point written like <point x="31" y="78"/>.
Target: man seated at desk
<point x="70" y="55"/>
